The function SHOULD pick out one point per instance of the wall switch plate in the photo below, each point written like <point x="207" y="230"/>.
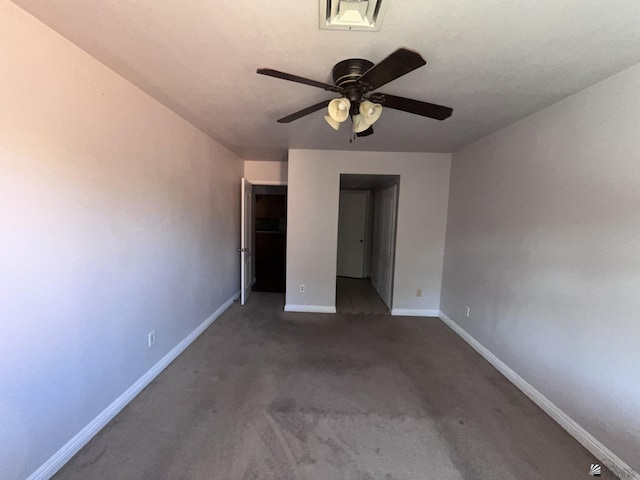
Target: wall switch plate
<point x="302" y="288"/>
<point x="152" y="337"/>
<point x="419" y="292"/>
<point x="467" y="310"/>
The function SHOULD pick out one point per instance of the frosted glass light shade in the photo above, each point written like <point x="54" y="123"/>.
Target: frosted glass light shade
<point x="360" y="124"/>
<point x="370" y="111"/>
<point x="339" y="109"/>
<point x="334" y="124"/>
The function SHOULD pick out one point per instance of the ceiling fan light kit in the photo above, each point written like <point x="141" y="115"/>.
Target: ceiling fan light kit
<point x="370" y="112"/>
<point x="359" y="124"/>
<point x="356" y="79"/>
<point x="360" y="15"/>
<point x="333" y="123"/>
<point x="338" y="111"/>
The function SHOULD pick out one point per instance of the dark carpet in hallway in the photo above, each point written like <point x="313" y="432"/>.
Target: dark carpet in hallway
<point x="264" y="394"/>
<point x="357" y="295"/>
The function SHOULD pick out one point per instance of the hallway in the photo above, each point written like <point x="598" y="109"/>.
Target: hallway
<point x="264" y="394"/>
<point x="357" y="295"/>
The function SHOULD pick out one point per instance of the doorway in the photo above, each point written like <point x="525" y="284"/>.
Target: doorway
<point x="366" y="243"/>
<point x="270" y="238"/>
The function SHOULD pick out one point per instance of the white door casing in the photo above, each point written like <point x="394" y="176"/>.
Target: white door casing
<point x="246" y="240"/>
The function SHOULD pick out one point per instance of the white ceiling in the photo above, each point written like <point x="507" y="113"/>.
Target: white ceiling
<point x="492" y="61"/>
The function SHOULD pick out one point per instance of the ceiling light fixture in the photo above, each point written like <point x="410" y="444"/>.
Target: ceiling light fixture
<point x="340" y="109"/>
<point x="357" y="80"/>
<point x="338" y="112"/>
<point x="369" y="114"/>
<point x="352" y="14"/>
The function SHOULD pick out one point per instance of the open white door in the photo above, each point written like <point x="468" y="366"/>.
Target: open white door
<point x="384" y="236"/>
<point x="246" y="234"/>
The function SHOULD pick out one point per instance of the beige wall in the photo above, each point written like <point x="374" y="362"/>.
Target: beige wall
<point x="543" y="243"/>
<point x="117" y="218"/>
<point x="312" y="225"/>
<point x="264" y="172"/>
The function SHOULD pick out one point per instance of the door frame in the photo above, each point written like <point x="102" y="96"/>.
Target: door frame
<point x="255" y="183"/>
<point x="246" y="240"/>
<point x="393" y="180"/>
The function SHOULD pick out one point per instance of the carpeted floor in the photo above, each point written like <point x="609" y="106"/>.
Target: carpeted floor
<point x="264" y="394"/>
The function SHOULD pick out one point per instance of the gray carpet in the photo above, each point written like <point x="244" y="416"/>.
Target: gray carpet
<point x="264" y="394"/>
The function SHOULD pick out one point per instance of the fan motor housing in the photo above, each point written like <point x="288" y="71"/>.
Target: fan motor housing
<point x="349" y="71"/>
<point x="346" y="75"/>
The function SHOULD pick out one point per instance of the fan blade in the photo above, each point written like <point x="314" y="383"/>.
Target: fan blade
<point x="399" y="63"/>
<point x="417" y="107"/>
<point x="295" y="78"/>
<point x="304" y="111"/>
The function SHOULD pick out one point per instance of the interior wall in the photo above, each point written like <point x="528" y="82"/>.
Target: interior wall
<point x="543" y="244"/>
<point x="263" y="172"/>
<point x="314" y="188"/>
<point x="117" y="218"/>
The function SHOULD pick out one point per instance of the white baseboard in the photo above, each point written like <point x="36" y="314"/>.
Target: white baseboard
<point x="310" y="308"/>
<point x="73" y="446"/>
<point x="587" y="440"/>
<point x="414" y="312"/>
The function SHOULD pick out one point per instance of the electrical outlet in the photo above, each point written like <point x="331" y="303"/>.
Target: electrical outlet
<point x="151" y="337"/>
<point x="302" y="288"/>
<point x="467" y="310"/>
<point x="419" y="292"/>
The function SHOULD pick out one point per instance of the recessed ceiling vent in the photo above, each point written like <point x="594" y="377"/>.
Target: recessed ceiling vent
<point x="352" y="14"/>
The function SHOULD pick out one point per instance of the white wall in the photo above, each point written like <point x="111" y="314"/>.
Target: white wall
<point x="263" y="172"/>
<point x="314" y="186"/>
<point x="117" y="218"/>
<point x="543" y="243"/>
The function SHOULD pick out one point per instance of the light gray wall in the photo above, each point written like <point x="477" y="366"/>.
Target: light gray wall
<point x="543" y="243"/>
<point x="314" y="188"/>
<point x="117" y="218"/>
<point x="266" y="172"/>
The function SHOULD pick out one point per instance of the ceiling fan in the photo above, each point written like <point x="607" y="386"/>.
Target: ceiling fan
<point x="356" y="79"/>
